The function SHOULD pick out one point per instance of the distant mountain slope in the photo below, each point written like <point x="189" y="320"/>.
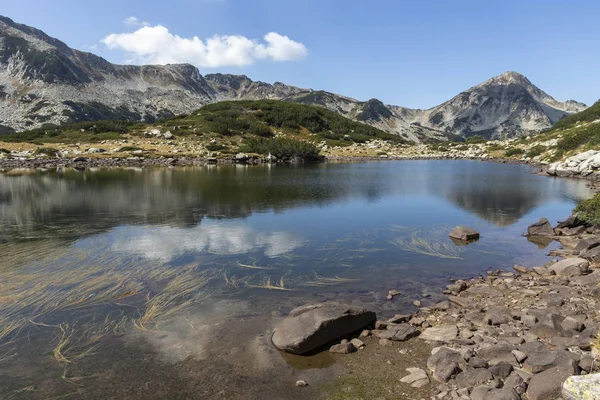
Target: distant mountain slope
<point x="43" y="81"/>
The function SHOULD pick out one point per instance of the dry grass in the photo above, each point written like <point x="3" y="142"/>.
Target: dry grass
<point x="429" y="244"/>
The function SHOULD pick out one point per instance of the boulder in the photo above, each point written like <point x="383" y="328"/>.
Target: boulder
<point x="397" y="333"/>
<point x="342" y="348"/>
<point x="443" y="333"/>
<point x="576" y="230"/>
<point x="541" y="228"/>
<point x="587" y="244"/>
<point x="473" y="377"/>
<point x="417" y="377"/>
<point x="585" y="387"/>
<point x="547" y="385"/>
<point x="570" y="222"/>
<point x="592" y="254"/>
<point x="502" y="394"/>
<point x="570" y="267"/>
<point x="309" y="327"/>
<point x="93" y="150"/>
<point x="464" y="234"/>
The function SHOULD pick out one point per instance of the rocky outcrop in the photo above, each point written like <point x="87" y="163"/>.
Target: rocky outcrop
<point x="43" y="81"/>
<point x="310" y="327"/>
<point x="582" y="387"/>
<point x="541" y="228"/>
<point x="582" y="165"/>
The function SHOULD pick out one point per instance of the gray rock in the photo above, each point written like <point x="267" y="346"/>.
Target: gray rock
<point x="310" y="327"/>
<point x="399" y="318"/>
<point x="443" y="355"/>
<point x="478" y="362"/>
<point x="570" y="267"/>
<point x="473" y="377"/>
<point x="577" y="230"/>
<point x="585" y="387"/>
<point x="446" y="371"/>
<point x="342" y="348"/>
<point x="502" y="394"/>
<point x="301" y="383"/>
<point x="547" y="384"/>
<point x="442" y="333"/>
<point x="497" y="352"/>
<point x="541" y="228"/>
<point x="529" y="320"/>
<point x="519" y="356"/>
<point x="522" y="270"/>
<point x="516" y="382"/>
<point x="417" y="377"/>
<point x="572" y="324"/>
<point x="398" y="333"/>
<point x="586" y="363"/>
<point x="591" y="254"/>
<point x="95" y="150"/>
<point x="484" y="291"/>
<point x="479" y="392"/>
<point x="587" y="244"/>
<point x="456" y="287"/>
<point x="464" y="234"/>
<point x="359" y="344"/>
<point x="543" y="271"/>
<point x="587" y="280"/>
<point x="501" y="370"/>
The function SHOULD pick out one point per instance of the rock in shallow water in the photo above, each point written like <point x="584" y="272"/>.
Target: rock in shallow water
<point x="464" y="234"/>
<point x="309" y="327"/>
<point x="541" y="228"/>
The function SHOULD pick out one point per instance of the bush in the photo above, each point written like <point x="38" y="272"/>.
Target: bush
<point x="282" y="148"/>
<point x="589" y="210"/>
<point x="128" y="148"/>
<point x="476" y="139"/>
<point x="215" y="147"/>
<point x="49" y="151"/>
<point x="514" y="151"/>
<point x="535" y="151"/>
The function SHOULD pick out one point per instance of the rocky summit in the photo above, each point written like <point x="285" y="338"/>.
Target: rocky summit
<point x="43" y="81"/>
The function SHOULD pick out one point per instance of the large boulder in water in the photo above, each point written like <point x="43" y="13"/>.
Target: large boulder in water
<point x="464" y="234"/>
<point x="541" y="228"/>
<point x="309" y="327"/>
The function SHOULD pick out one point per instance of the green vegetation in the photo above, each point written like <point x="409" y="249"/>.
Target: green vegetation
<point x="49" y="151"/>
<point x="282" y="148"/>
<point x="535" y="151"/>
<point x="91" y="132"/>
<point x="589" y="210"/>
<point x="588" y="136"/>
<point x="514" y="151"/>
<point x="590" y="114"/>
<point x="128" y="148"/>
<point x="476" y="139"/>
<point x="215" y="147"/>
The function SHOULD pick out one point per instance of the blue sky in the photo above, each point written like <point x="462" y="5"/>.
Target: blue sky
<point x="409" y="53"/>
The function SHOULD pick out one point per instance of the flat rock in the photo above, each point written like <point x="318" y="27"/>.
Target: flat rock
<point x="498" y="352"/>
<point x="342" y="348"/>
<point x="592" y="254"/>
<point x="570" y="267"/>
<point x="309" y="327"/>
<point x="442" y="333"/>
<point x="416" y="378"/>
<point x="485" y="291"/>
<point x="442" y="356"/>
<point x="464" y="234"/>
<point x="502" y="394"/>
<point x="398" y="333"/>
<point x="473" y="377"/>
<point x="585" y="387"/>
<point x="547" y="385"/>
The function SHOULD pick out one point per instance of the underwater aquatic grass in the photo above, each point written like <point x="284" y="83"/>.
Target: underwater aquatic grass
<point x="430" y="244"/>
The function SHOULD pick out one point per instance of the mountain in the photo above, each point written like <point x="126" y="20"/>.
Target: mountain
<point x="43" y="81"/>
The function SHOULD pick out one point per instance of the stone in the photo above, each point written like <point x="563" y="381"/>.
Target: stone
<point x="392" y="293"/>
<point x="571" y="222"/>
<point x="591" y="254"/>
<point x="502" y="394"/>
<point x="529" y="320"/>
<point x="547" y="384"/>
<point x="473" y="377"/>
<point x="399" y="318"/>
<point x="380" y="325"/>
<point x="520" y="269"/>
<point x="496" y="318"/>
<point x="385" y="342"/>
<point x="541" y="228"/>
<point x="446" y="371"/>
<point x="586" y="363"/>
<point x="572" y="324"/>
<point x="484" y="291"/>
<point x="498" y="352"/>
<point x="357" y="343"/>
<point x="342" y="348"/>
<point x="585" y="387"/>
<point x="570" y="267"/>
<point x="398" y="333"/>
<point x="587" y="280"/>
<point x="442" y="333"/>
<point x="462" y="302"/>
<point x="501" y="370"/>
<point x="478" y="362"/>
<point x="543" y="271"/>
<point x="301" y="383"/>
<point x="479" y="392"/>
<point x="95" y="150"/>
<point x="442" y="306"/>
<point x="443" y="355"/>
<point x="308" y="328"/>
<point x="516" y="382"/>
<point x="365" y="333"/>
<point x="456" y="287"/>
<point x="464" y="234"/>
<point x="417" y="377"/>
<point x="577" y="230"/>
<point x="519" y="356"/>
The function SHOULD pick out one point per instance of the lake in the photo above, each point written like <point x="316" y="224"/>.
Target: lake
<point x="165" y="282"/>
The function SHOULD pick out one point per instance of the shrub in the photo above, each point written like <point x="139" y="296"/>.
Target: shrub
<point x="215" y="147"/>
<point x="49" y="151"/>
<point x="476" y="139"/>
<point x="128" y="148"/>
<point x="589" y="210"/>
<point x="535" y="151"/>
<point x="282" y="148"/>
<point x="514" y="151"/>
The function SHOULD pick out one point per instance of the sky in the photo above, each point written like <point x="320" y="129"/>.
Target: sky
<point x="415" y="54"/>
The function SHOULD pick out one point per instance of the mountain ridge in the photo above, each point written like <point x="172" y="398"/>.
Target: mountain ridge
<point x="44" y="81"/>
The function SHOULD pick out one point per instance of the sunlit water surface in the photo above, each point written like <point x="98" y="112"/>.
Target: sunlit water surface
<point x="165" y="283"/>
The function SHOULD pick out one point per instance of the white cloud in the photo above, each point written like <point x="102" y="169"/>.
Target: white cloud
<point x="134" y="21"/>
<point x="156" y="45"/>
<point x="167" y="243"/>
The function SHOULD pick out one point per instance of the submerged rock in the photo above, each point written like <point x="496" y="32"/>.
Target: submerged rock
<point x="309" y="327"/>
<point x="464" y="234"/>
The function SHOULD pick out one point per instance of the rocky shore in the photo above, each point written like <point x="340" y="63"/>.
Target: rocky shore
<point x="524" y="333"/>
